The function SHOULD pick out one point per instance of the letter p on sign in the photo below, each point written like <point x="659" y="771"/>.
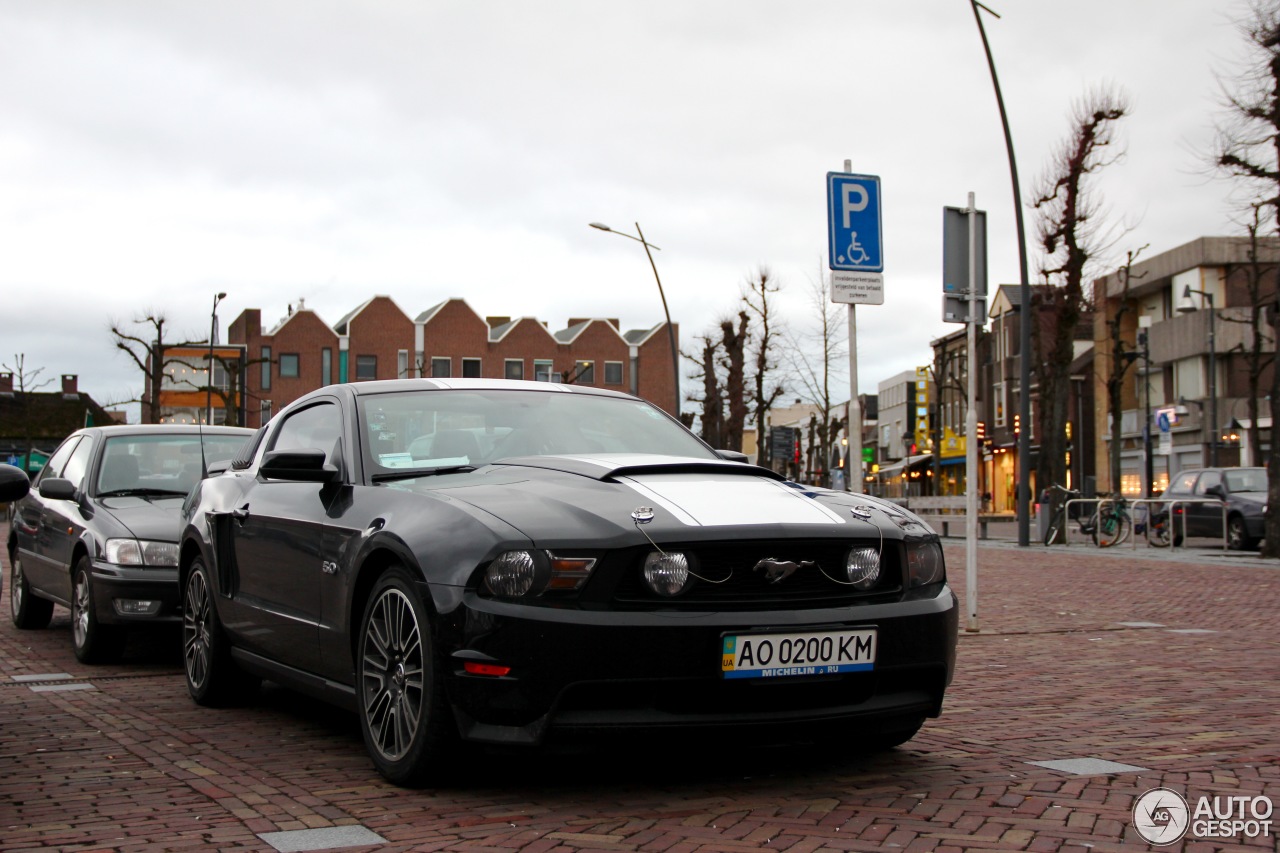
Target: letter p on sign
<point x="854" y="201"/>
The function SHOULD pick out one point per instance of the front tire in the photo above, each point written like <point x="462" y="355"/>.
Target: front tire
<point x="26" y="610"/>
<point x="92" y="641"/>
<point x="1051" y="535"/>
<point x="408" y="729"/>
<point x="213" y="679"/>
<point x="1238" y="538"/>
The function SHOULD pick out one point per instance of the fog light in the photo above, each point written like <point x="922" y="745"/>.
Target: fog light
<point x="862" y="567"/>
<point x="667" y="574"/>
<point x="136" y="606"/>
<point x="511" y="574"/>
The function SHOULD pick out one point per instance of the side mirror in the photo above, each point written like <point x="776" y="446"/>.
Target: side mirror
<point x="306" y="465"/>
<point x="219" y="467"/>
<point x="57" y="489"/>
<point x="732" y="456"/>
<point x="14" y="483"/>
<point x="1216" y="492"/>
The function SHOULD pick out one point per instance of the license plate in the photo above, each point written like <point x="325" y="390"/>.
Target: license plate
<point x="780" y="655"/>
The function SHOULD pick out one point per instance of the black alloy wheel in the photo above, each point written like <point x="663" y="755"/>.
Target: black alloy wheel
<point x="407" y="727"/>
<point x="92" y="641"/>
<point x="213" y="679"/>
<point x="26" y="610"/>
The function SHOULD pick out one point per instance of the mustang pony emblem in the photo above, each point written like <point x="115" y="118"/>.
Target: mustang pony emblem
<point x="778" y="570"/>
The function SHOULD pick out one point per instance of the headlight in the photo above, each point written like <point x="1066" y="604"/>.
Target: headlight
<point x="862" y="566"/>
<point x="924" y="562"/>
<point x="511" y="574"/>
<point x="667" y="574"/>
<point x="141" y="552"/>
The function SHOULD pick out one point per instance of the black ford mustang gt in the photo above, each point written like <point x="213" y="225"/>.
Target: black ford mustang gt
<point x="516" y="562"/>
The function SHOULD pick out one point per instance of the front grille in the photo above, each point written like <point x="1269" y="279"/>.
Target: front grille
<point x="743" y="587"/>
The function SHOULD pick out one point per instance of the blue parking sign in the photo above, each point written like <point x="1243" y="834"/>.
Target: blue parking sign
<point x="853" y="220"/>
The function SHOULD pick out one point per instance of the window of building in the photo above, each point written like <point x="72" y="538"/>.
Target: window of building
<point x="542" y="370"/>
<point x="402" y="364"/>
<point x="1188" y="379"/>
<point x="584" y="372"/>
<point x="513" y="368"/>
<point x="266" y="368"/>
<point x="326" y="366"/>
<point x="288" y="365"/>
<point x="366" y="367"/>
<point x="613" y="373"/>
<point x="998" y="403"/>
<point x="471" y="368"/>
<point x="265" y="410"/>
<point x="441" y="367"/>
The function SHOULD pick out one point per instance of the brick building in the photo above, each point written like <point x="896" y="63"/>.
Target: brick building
<point x="378" y="340"/>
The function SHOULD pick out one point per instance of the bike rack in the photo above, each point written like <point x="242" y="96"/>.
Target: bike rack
<point x="1134" y="502"/>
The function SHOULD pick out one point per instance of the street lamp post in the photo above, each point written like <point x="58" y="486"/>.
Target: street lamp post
<point x="213" y="326"/>
<point x="671" y="332"/>
<point x="1213" y="370"/>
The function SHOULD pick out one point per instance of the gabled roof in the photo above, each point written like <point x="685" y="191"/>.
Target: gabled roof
<point x="636" y="337"/>
<point x="497" y="333"/>
<point x="284" y="321"/>
<point x="430" y="314"/>
<point x="567" y="336"/>
<point x="341" y="326"/>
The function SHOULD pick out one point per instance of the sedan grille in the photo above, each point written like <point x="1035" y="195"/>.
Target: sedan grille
<point x="741" y="586"/>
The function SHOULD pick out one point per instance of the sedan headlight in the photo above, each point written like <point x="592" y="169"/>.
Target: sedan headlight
<point x="667" y="573"/>
<point x="862" y="566"/>
<point x="924" y="562"/>
<point x="141" y="552"/>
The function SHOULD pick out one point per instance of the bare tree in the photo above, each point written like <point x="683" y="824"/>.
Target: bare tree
<point x="1072" y="234"/>
<point x="1119" y="362"/>
<point x="816" y="353"/>
<point x="148" y="353"/>
<point x="733" y="344"/>
<point x="1248" y="151"/>
<point x="711" y="426"/>
<point x="766" y="388"/>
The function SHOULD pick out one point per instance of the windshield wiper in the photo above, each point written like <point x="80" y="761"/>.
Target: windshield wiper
<point x="414" y="473"/>
<point x="141" y="493"/>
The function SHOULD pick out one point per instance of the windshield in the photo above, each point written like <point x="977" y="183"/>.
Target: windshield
<point x="160" y="464"/>
<point x="427" y="429"/>
<point x="1246" y="480"/>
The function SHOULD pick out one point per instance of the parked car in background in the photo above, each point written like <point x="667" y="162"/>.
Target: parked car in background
<point x="1244" y="492"/>
<point x="98" y="532"/>
<point x="14" y="484"/>
<point x="517" y="562"/>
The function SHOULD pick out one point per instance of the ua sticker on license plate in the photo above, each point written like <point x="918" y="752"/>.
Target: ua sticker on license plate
<point x="819" y="653"/>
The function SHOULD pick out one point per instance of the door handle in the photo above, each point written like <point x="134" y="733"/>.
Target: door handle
<point x="240" y="514"/>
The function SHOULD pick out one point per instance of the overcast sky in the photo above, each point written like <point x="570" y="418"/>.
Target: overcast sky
<point x="153" y="154"/>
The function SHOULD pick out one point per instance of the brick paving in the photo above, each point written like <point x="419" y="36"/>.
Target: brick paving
<point x="133" y="765"/>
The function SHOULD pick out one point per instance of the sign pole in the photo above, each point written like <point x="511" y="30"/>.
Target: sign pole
<point x="971" y="432"/>
<point x="854" y="427"/>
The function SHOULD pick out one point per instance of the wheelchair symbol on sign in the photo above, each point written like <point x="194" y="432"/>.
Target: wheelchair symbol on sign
<point x="855" y="254"/>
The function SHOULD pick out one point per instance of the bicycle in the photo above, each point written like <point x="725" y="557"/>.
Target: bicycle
<point x="1113" y="522"/>
<point x="1059" y="519"/>
<point x="1159" y="528"/>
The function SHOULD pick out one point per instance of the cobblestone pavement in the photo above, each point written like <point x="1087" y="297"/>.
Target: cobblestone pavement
<point x="1187" y="695"/>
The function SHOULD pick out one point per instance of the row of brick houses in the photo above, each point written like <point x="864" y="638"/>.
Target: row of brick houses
<point x="378" y="340"/>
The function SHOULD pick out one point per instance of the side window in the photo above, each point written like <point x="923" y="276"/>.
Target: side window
<point x="78" y="464"/>
<point x="318" y="427"/>
<point x="53" y="468"/>
<point x="1207" y="480"/>
<point x="1183" y="483"/>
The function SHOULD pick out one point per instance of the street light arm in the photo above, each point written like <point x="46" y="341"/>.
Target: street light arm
<point x="640" y="239"/>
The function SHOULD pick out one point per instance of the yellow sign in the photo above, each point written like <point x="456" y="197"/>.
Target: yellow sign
<point x="952" y="444"/>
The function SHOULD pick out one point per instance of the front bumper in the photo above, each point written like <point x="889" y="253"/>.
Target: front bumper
<point x="114" y="585"/>
<point x="578" y="672"/>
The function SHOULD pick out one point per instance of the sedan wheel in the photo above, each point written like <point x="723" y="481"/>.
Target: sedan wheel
<point x="1238" y="538"/>
<point x="26" y="610"/>
<point x="213" y="679"/>
<point x="405" y="720"/>
<point x="93" y="641"/>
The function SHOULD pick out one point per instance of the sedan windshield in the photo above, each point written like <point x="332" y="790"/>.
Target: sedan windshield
<point x="445" y="430"/>
<point x="1246" y="480"/>
<point x="160" y="464"/>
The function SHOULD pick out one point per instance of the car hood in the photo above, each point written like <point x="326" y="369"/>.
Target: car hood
<point x="562" y="499"/>
<point x="146" y="518"/>
<point x="1251" y="497"/>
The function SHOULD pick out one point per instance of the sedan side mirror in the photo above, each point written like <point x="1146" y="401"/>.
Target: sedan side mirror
<point x="57" y="489"/>
<point x="14" y="483"/>
<point x="732" y="456"/>
<point x="306" y="465"/>
<point x="1216" y="492"/>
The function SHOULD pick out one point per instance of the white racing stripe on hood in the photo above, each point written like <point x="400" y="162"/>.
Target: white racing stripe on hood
<point x="700" y="500"/>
